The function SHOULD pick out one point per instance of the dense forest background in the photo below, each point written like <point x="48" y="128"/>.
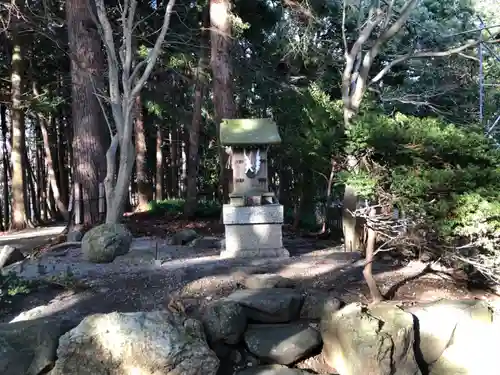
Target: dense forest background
<point x="378" y="104"/>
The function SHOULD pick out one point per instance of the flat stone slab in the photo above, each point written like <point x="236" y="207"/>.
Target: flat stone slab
<point x="277" y="305"/>
<point x="272" y="370"/>
<point x="282" y="343"/>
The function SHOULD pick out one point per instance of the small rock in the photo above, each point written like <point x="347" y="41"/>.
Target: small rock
<point x="103" y="243"/>
<point x="206" y="243"/>
<point x="271" y="370"/>
<point x="276" y="305"/>
<point x="224" y="321"/>
<point x="9" y="254"/>
<point x="267" y="280"/>
<point x="146" y="343"/>
<point x="282" y="343"/>
<point x="183" y="237"/>
<point x="74" y="236"/>
<point x="316" y="302"/>
<point x="316" y="365"/>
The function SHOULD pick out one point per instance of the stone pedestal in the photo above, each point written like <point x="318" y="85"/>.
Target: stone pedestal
<point x="253" y="231"/>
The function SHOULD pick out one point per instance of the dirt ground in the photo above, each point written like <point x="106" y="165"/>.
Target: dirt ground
<point x="318" y="264"/>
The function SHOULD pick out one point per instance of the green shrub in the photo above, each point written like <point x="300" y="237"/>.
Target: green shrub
<point x="12" y="285"/>
<point x="446" y="176"/>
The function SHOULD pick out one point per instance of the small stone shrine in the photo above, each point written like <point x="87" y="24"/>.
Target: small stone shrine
<point x="253" y="218"/>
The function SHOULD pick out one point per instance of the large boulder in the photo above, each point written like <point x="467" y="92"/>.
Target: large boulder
<point x="378" y="340"/>
<point x="146" y="343"/>
<point x="457" y="337"/>
<point x="29" y="347"/>
<point x="103" y="243"/>
<point x="442" y="322"/>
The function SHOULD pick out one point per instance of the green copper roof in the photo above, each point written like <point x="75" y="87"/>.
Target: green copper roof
<point x="256" y="131"/>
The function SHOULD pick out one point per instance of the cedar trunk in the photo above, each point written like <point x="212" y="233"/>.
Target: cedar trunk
<point x="159" y="165"/>
<point x="89" y="128"/>
<point x="19" y="217"/>
<point x="143" y="190"/>
<point x="220" y="38"/>
<point x="194" y="133"/>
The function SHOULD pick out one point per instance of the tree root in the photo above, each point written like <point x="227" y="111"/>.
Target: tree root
<point x="64" y="244"/>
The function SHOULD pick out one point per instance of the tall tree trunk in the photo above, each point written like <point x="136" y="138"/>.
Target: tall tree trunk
<point x="194" y="145"/>
<point x="19" y="217"/>
<point x="62" y="172"/>
<point x="194" y="131"/>
<point x="143" y="189"/>
<point x="40" y="172"/>
<point x="174" y="163"/>
<point x="6" y="166"/>
<point x="159" y="165"/>
<point x="329" y="186"/>
<point x="89" y="129"/>
<point x="31" y="196"/>
<point x="220" y="37"/>
<point x="50" y="169"/>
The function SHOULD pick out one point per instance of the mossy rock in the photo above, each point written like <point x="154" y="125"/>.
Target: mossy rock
<point x="103" y="243"/>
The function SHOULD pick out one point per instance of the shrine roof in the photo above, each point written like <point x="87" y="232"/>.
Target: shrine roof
<point x="259" y="131"/>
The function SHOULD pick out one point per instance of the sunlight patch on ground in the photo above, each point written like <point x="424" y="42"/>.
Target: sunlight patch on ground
<point x="33" y="233"/>
<point x="57" y="304"/>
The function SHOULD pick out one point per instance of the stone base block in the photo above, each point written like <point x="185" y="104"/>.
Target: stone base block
<point x="253" y="232"/>
<point x="255" y="253"/>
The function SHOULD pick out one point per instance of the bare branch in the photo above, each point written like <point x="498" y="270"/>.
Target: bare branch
<point x="421" y="55"/>
<point x="344" y="36"/>
<point x="350" y="58"/>
<point x="375" y="50"/>
<point x="113" y="64"/>
<point x="153" y="55"/>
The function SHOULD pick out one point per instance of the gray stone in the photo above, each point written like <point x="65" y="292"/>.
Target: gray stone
<point x="378" y="340"/>
<point x="282" y="343"/>
<point x="277" y="305"/>
<point x="224" y="321"/>
<point x="458" y="337"/>
<point x="441" y="322"/>
<point x="183" y="237"/>
<point x="29" y="347"/>
<point x="267" y="280"/>
<point x="103" y="243"/>
<point x="253" y="231"/>
<point x="315" y="304"/>
<point x="272" y="370"/>
<point x="74" y="236"/>
<point x="146" y="343"/>
<point x="10" y="255"/>
<point x="206" y="243"/>
<point x="315" y="365"/>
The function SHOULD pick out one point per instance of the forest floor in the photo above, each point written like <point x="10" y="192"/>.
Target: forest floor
<point x="136" y="283"/>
